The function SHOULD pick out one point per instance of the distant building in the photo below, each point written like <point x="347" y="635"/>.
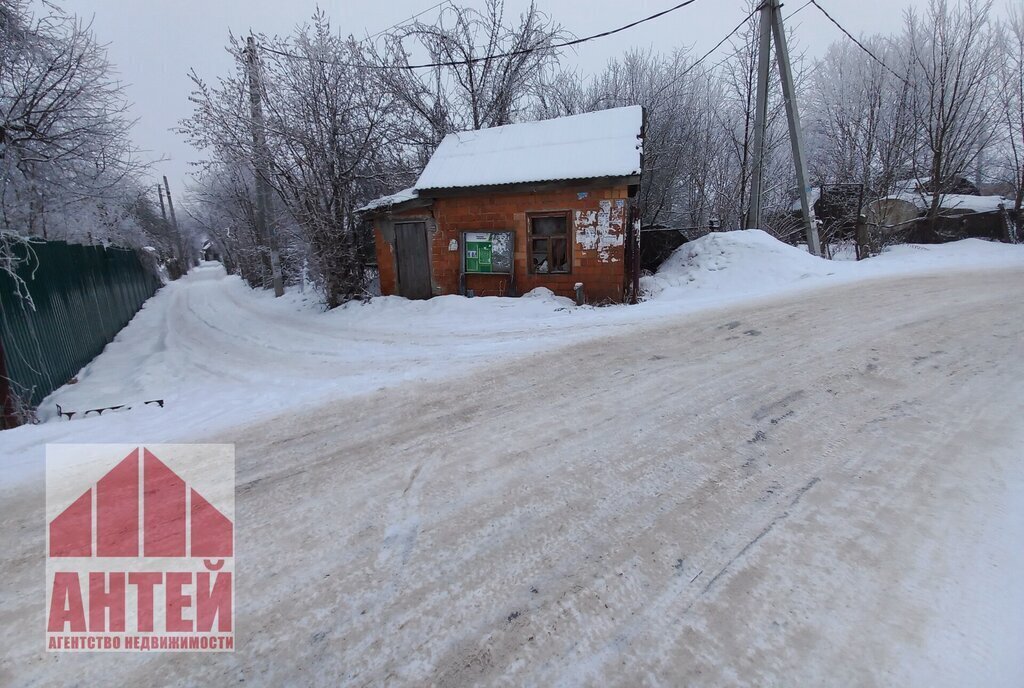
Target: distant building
<point x="960" y="215"/>
<point x="504" y="210"/>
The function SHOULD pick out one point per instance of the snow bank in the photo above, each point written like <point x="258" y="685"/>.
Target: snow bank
<point x="726" y="267"/>
<point x="743" y="262"/>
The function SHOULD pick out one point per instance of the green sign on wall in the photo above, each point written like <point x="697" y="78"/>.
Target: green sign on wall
<point x="487" y="252"/>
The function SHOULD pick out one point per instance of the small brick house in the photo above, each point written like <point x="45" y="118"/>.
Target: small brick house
<point x="501" y="211"/>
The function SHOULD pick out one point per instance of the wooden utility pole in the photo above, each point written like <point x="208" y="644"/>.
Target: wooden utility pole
<point x="170" y="206"/>
<point x="771" y="24"/>
<point x="183" y="253"/>
<point x="160" y="193"/>
<point x="261" y="163"/>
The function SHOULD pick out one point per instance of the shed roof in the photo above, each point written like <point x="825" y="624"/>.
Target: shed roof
<point x="598" y="144"/>
<point x="961" y="203"/>
<point x="390" y="200"/>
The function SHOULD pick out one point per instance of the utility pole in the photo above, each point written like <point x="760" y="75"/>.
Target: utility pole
<point x="760" y="115"/>
<point x="170" y="206"/>
<point x="261" y="163"/>
<point x="771" y="24"/>
<point x="183" y="252"/>
<point x="160" y="193"/>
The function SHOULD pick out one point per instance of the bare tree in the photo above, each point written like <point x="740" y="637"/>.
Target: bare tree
<point x="221" y="204"/>
<point x="1011" y="91"/>
<point x="484" y="73"/>
<point x="951" y="58"/>
<point x="860" y="114"/>
<point x="64" y="129"/>
<point x="331" y="131"/>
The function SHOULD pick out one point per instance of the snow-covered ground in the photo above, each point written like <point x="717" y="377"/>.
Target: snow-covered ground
<point x="751" y="479"/>
<point x="220" y="354"/>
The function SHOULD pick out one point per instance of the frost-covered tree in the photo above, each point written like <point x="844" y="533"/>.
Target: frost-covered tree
<point x="1011" y="101"/>
<point x="65" y="150"/>
<point x="952" y="59"/>
<point x="331" y="132"/>
<point x="486" y="68"/>
<point x="860" y="118"/>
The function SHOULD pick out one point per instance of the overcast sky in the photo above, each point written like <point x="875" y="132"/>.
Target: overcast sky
<point x="154" y="44"/>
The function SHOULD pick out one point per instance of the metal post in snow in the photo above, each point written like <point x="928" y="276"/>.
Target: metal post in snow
<point x="760" y="116"/>
<point x="796" y="136"/>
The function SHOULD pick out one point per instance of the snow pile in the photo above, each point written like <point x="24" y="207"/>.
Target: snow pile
<point x="545" y="295"/>
<point x="209" y="334"/>
<point x="742" y="262"/>
<point x="726" y="267"/>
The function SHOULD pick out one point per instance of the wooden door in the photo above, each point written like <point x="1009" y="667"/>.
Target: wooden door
<point x="412" y="260"/>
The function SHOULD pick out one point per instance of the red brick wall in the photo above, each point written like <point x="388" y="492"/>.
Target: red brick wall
<point x="385" y="262"/>
<point x="597" y="235"/>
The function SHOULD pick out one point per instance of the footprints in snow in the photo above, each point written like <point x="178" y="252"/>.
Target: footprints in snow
<point x="733" y="325"/>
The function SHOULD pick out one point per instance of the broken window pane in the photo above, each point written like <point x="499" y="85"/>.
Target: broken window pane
<point x="539" y="253"/>
<point x="549" y="244"/>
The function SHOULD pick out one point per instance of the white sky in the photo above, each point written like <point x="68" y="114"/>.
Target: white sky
<point x="154" y="44"/>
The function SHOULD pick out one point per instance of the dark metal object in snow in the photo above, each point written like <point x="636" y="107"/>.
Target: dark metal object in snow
<point x="99" y="411"/>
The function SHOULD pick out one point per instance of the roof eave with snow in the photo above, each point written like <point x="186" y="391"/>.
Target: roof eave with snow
<point x="400" y="199"/>
<point x="537" y="185"/>
<point x="952" y="203"/>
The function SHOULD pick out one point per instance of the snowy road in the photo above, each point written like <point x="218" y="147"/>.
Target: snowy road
<point x="826" y="490"/>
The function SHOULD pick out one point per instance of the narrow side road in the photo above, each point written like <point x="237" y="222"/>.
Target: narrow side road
<point x="828" y="489"/>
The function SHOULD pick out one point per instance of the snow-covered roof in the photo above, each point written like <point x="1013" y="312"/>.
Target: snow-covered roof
<point x="387" y="201"/>
<point x="959" y="202"/>
<point x="909" y="185"/>
<point x="595" y="144"/>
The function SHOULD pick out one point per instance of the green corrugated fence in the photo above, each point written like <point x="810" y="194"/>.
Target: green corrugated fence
<point x="83" y="296"/>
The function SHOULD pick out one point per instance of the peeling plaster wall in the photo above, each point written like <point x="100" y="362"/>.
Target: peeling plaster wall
<point x="602" y="230"/>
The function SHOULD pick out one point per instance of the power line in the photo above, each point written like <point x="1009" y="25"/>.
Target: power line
<point x="859" y="44"/>
<point x="736" y="52"/>
<point x="512" y="53"/>
<point x="407" y="20"/>
<point x="721" y="42"/>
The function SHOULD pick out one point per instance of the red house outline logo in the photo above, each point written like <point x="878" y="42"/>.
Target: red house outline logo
<point x="141" y="559"/>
